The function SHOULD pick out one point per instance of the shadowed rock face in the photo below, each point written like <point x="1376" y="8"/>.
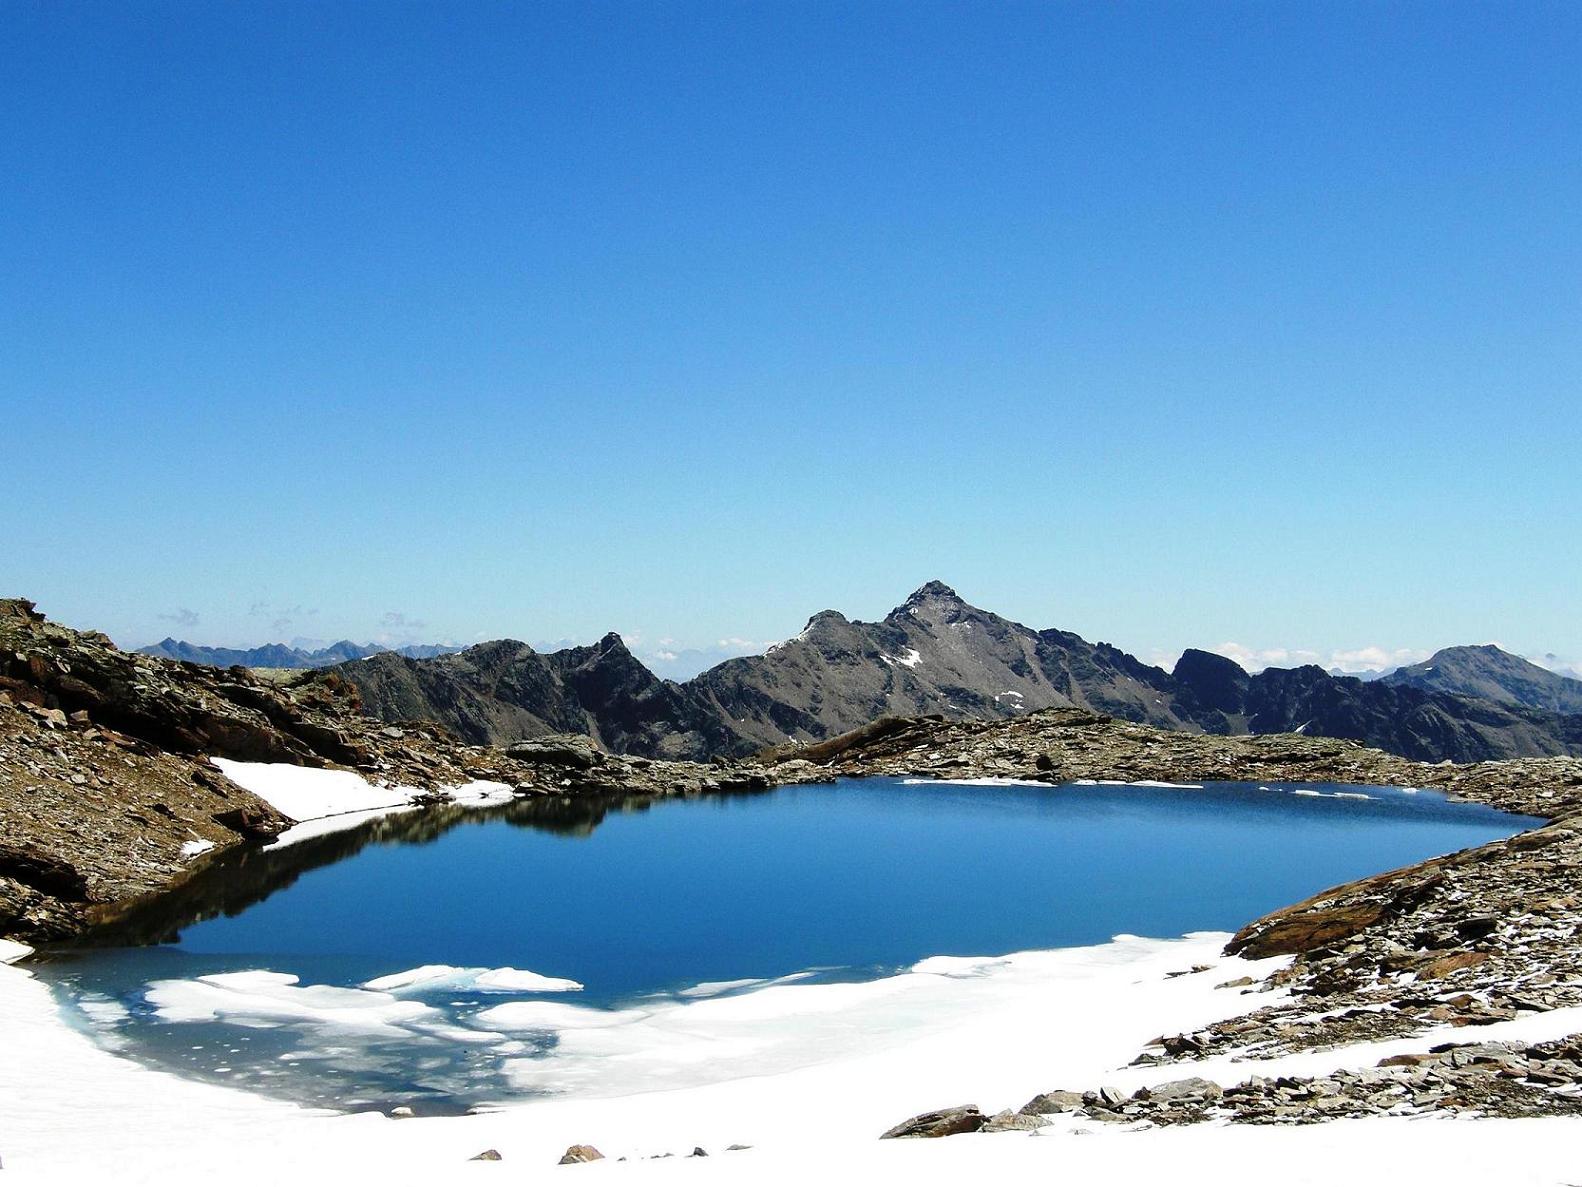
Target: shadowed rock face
<point x="506" y="691"/>
<point x="934" y="655"/>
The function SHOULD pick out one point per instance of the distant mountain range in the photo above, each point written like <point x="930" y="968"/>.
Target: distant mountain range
<point x="279" y="655"/>
<point x="1494" y="675"/>
<point x="936" y="654"/>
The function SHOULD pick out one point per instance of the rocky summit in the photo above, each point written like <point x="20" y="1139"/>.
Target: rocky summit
<point x="935" y="654"/>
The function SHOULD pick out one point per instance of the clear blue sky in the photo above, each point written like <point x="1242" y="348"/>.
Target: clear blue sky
<point x="1170" y="324"/>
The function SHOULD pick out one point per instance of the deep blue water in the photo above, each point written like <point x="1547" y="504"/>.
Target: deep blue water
<point x="854" y="879"/>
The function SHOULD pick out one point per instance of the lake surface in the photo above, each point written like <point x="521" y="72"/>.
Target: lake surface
<point x="647" y="903"/>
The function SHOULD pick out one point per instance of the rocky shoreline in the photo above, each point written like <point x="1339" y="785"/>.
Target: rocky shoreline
<point x="1468" y="940"/>
<point x="110" y="799"/>
<point x="109" y="796"/>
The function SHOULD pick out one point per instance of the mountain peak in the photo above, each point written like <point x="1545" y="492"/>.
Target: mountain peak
<point x="933" y="591"/>
<point x="1494" y="674"/>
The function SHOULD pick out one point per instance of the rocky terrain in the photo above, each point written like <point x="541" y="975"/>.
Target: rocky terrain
<point x="1065" y="745"/>
<point x="935" y="654"/>
<point x="1464" y="941"/>
<point x="107" y="793"/>
<point x="1484" y="1079"/>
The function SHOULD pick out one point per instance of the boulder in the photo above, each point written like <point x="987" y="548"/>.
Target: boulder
<point x="561" y="750"/>
<point x="576" y="1154"/>
<point x="1443" y="966"/>
<point x="1009" y="1122"/>
<point x="941" y="1123"/>
<point x="1058" y="1101"/>
<point x="1193" y="1088"/>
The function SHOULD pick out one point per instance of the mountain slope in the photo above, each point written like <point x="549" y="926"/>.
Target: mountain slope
<point x="505" y="691"/>
<point x="1493" y="675"/>
<point x="933" y="654"/>
<point x="1417" y="723"/>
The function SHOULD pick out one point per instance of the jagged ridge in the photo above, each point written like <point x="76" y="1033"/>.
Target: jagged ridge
<point x="935" y="654"/>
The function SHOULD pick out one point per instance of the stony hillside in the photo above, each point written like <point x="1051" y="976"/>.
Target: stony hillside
<point x="1491" y="674"/>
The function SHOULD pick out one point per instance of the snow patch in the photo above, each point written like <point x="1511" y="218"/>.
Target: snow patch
<point x="325" y="801"/>
<point x="984" y="781"/>
<point x="996" y="1034"/>
<point x="260" y="997"/>
<point x="461" y="980"/>
<point x="509" y="980"/>
<point x="194" y="848"/>
<point x="11" y="951"/>
<point x="909" y="660"/>
<point x="1135" y="783"/>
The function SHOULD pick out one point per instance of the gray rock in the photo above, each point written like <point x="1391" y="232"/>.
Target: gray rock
<point x="1058" y="1101"/>
<point x="940" y="1123"/>
<point x="1193" y="1088"/>
<point x="1009" y="1122"/>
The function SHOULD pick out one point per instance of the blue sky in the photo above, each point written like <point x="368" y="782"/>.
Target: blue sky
<point x="1169" y="324"/>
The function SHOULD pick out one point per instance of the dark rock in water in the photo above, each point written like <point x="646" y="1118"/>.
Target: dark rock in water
<point x="575" y="1154"/>
<point x="941" y="1123"/>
